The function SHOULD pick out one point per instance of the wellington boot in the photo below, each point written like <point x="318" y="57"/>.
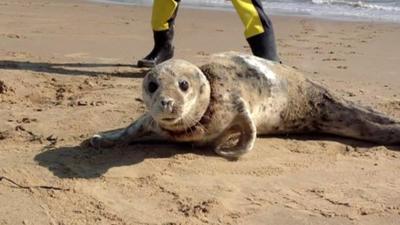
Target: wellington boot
<point x="162" y="51"/>
<point x="263" y="45"/>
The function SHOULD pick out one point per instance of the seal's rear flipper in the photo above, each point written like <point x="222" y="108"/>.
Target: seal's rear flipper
<point x="344" y="118"/>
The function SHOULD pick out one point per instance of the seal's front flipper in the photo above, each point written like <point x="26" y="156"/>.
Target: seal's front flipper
<point x="137" y="131"/>
<point x="242" y="124"/>
<point x="107" y="139"/>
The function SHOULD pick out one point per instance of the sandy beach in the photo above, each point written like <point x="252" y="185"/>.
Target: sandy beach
<point x="67" y="71"/>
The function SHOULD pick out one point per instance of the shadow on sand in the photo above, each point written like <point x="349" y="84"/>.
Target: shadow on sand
<point x="85" y="162"/>
<point x="73" y="68"/>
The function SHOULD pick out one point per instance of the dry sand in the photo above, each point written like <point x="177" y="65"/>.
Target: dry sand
<point x="66" y="73"/>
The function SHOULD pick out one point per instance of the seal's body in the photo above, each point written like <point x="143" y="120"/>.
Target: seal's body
<point x="238" y="95"/>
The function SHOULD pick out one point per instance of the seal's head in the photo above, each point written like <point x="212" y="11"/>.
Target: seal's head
<point x="177" y="94"/>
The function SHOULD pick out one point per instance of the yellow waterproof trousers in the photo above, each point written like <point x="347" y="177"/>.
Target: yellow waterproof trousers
<point x="250" y="11"/>
<point x="163" y="12"/>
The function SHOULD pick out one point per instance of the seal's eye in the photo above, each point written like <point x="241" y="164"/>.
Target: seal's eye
<point x="183" y="85"/>
<point x="152" y="87"/>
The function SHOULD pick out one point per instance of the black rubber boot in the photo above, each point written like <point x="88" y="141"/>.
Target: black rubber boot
<point x="263" y="45"/>
<point x="163" y="48"/>
<point x="162" y="51"/>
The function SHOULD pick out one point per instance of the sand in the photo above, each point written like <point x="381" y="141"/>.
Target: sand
<point x="66" y="72"/>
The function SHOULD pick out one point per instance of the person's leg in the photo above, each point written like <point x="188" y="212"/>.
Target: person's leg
<point x="162" y="22"/>
<point x="258" y="28"/>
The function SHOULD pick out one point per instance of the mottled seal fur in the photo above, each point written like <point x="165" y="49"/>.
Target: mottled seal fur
<point x="234" y="97"/>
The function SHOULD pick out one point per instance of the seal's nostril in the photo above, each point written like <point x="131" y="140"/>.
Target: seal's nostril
<point x="167" y="102"/>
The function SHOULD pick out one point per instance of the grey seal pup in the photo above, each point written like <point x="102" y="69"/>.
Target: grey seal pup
<point x="228" y="101"/>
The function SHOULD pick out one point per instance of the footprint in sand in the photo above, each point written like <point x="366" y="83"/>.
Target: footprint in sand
<point x="333" y="59"/>
<point x="4" y="88"/>
<point x="342" y="67"/>
<point x="13" y="36"/>
<point x="202" y="53"/>
<point x="18" y="54"/>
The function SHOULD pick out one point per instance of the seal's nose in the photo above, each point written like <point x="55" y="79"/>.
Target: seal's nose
<point x="167" y="104"/>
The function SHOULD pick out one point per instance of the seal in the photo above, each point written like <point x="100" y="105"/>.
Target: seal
<point x="228" y="101"/>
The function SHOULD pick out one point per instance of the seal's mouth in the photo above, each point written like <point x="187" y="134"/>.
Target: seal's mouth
<point x="169" y="119"/>
<point x="198" y="126"/>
